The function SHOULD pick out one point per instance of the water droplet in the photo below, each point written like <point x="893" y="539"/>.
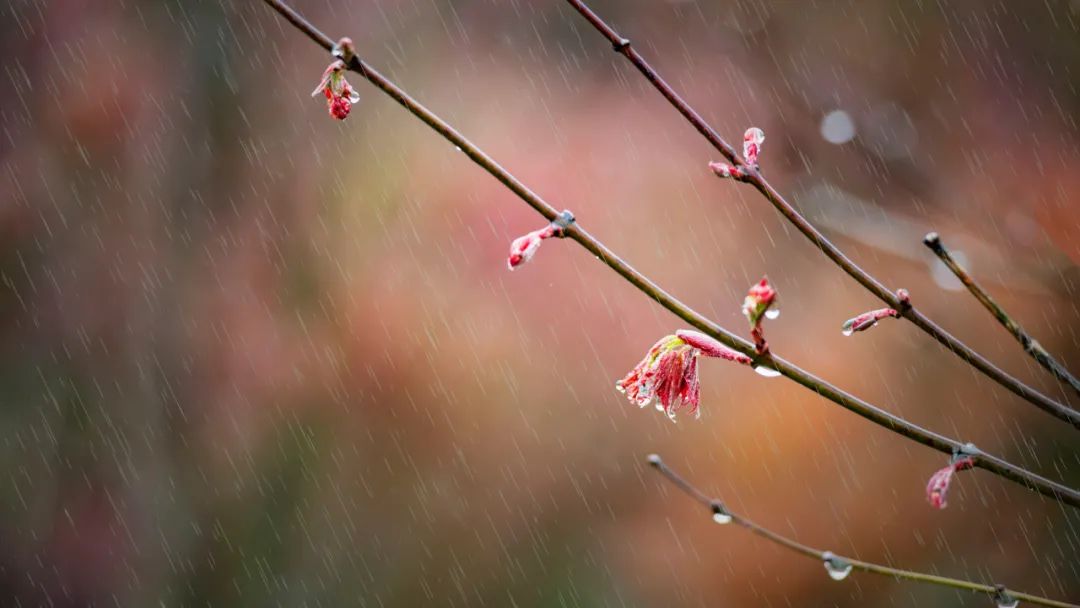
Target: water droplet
<point x="766" y="371"/>
<point x="720" y="514"/>
<point x="847" y="331"/>
<point x="772" y="313"/>
<point x="458" y="148"/>
<point x="354" y="96"/>
<point x="1002" y="599"/>
<point x="838" y="568"/>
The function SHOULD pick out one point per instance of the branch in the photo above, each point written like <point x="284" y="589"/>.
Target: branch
<point x="574" y="231"/>
<point x="1031" y="345"/>
<point x="751" y="175"/>
<point x="838" y="566"/>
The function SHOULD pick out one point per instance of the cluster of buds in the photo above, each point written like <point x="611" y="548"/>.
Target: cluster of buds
<point x="936" y="489"/>
<point x="340" y="95"/>
<point x="758" y="306"/>
<point x="523" y="248"/>
<point x="669" y="372"/>
<point x="752" y="142"/>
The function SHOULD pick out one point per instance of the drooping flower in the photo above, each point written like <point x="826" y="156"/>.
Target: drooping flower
<point x="938" y="485"/>
<point x="756" y="307"/>
<point x="752" y="142"/>
<point x="867" y="320"/>
<point x="669" y="372"/>
<point x="340" y="95"/>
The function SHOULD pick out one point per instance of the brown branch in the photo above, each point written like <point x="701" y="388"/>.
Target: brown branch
<point x="722" y="514"/>
<point x="1031" y="345"/>
<point x="752" y="176"/>
<point x="574" y="231"/>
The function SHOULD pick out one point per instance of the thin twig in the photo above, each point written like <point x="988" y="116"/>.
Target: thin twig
<point x="753" y="176"/>
<point x="717" y="507"/>
<point x="880" y="417"/>
<point x="1031" y="345"/>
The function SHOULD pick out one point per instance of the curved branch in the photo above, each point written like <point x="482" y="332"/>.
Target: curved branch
<point x="754" y="177"/>
<point x="718" y="508"/>
<point x="880" y="417"/>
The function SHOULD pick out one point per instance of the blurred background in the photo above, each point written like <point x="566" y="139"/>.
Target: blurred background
<point x="253" y="356"/>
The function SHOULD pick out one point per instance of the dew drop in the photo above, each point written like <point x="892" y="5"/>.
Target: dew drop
<point x="721" y="518"/>
<point x="354" y="96"/>
<point x="458" y="148"/>
<point x="1009" y="602"/>
<point x="847" y="331"/>
<point x="766" y="371"/>
<point x="772" y="313"/>
<point x="838" y="568"/>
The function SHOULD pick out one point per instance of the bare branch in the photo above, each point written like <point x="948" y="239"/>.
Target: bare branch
<point x="837" y="565"/>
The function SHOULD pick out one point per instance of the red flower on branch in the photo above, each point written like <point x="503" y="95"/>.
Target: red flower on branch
<point x="669" y="372"/>
<point x="340" y="95"/>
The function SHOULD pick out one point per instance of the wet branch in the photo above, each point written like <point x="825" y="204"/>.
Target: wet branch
<point x="574" y="231"/>
<point x="752" y="176"/>
<point x="1031" y="345"/>
<point x="838" y="563"/>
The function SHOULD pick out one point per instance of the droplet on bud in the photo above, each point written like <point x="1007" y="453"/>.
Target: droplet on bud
<point x="847" y="331"/>
<point x="772" y="313"/>
<point x="720" y="515"/>
<point x="837" y="567"/>
<point x="653" y="459"/>
<point x="766" y="371"/>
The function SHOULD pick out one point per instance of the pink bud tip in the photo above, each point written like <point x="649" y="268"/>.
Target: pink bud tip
<point x="752" y="142"/>
<point x="524" y="247"/>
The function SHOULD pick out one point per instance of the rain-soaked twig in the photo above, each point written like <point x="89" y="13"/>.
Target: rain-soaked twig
<point x="1031" y="345"/>
<point x="751" y="175"/>
<point x="575" y="232"/>
<point x="837" y="566"/>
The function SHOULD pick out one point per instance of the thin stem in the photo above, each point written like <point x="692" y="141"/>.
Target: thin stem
<point x="754" y="177"/>
<point x="880" y="417"/>
<point x="1031" y="345"/>
<point x="680" y="482"/>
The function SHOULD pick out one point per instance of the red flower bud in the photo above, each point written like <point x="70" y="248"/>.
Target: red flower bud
<point x="867" y="320"/>
<point x="524" y="247"/>
<point x="939" y="482"/>
<point x="340" y="95"/>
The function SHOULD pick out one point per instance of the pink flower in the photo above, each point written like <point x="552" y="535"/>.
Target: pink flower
<point x="867" y="320"/>
<point x="752" y="141"/>
<point x="939" y="482"/>
<point x="524" y="247"/>
<point x="669" y="372"/>
<point x="338" y="92"/>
